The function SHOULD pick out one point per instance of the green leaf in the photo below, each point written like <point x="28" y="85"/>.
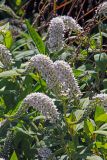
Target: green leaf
<point x="14" y="156"/>
<point x="105" y="146"/>
<point x="36" y="38"/>
<point x="89" y="126"/>
<point x="102" y="118"/>
<point x="101" y="145"/>
<point x="101" y="132"/>
<point x="103" y="127"/>
<point x="4" y="26"/>
<point x="23" y="54"/>
<point x="18" y="2"/>
<point x="8" y="39"/>
<point x="101" y="61"/>
<point x="29" y="133"/>
<point x="92" y="43"/>
<point x="63" y="157"/>
<point x="99" y="110"/>
<point x="98" y="144"/>
<point x="11" y="73"/>
<point x="77" y="72"/>
<point x="85" y="102"/>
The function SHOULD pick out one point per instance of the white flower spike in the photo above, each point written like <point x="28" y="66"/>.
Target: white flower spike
<point x="56" y="34"/>
<point x="43" y="104"/>
<point x="66" y="78"/>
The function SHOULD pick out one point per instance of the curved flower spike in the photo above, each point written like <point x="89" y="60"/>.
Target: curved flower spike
<point x="56" y="34"/>
<point x="57" y="27"/>
<point x="41" y="103"/>
<point x="66" y="78"/>
<point x="44" y="65"/>
<point x="71" y="24"/>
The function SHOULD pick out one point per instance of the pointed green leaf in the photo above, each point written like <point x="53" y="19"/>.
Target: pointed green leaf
<point x="102" y="118"/>
<point x="89" y="125"/>
<point x="14" y="156"/>
<point x="11" y="73"/>
<point x="103" y="127"/>
<point x="101" y="132"/>
<point x="8" y="39"/>
<point x="36" y="38"/>
<point x="99" y="110"/>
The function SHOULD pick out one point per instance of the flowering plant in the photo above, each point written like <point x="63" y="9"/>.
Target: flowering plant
<point x="53" y="88"/>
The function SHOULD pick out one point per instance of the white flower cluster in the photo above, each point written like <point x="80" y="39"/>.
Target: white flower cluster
<point x="5" y="56"/>
<point x="2" y="159"/>
<point x="43" y="104"/>
<point x="56" y="31"/>
<point x="102" y="97"/>
<point x="102" y="9"/>
<point x="45" y="153"/>
<point x="44" y="65"/>
<point x="71" y="24"/>
<point x="56" y="34"/>
<point x="66" y="78"/>
<point x="58" y="75"/>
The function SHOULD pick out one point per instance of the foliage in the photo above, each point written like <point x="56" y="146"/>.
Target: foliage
<point x="80" y="131"/>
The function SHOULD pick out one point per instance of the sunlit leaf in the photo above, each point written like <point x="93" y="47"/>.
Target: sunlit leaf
<point x="99" y="110"/>
<point x="14" y="156"/>
<point x="101" y="132"/>
<point x="18" y="2"/>
<point x="8" y="40"/>
<point x="102" y="118"/>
